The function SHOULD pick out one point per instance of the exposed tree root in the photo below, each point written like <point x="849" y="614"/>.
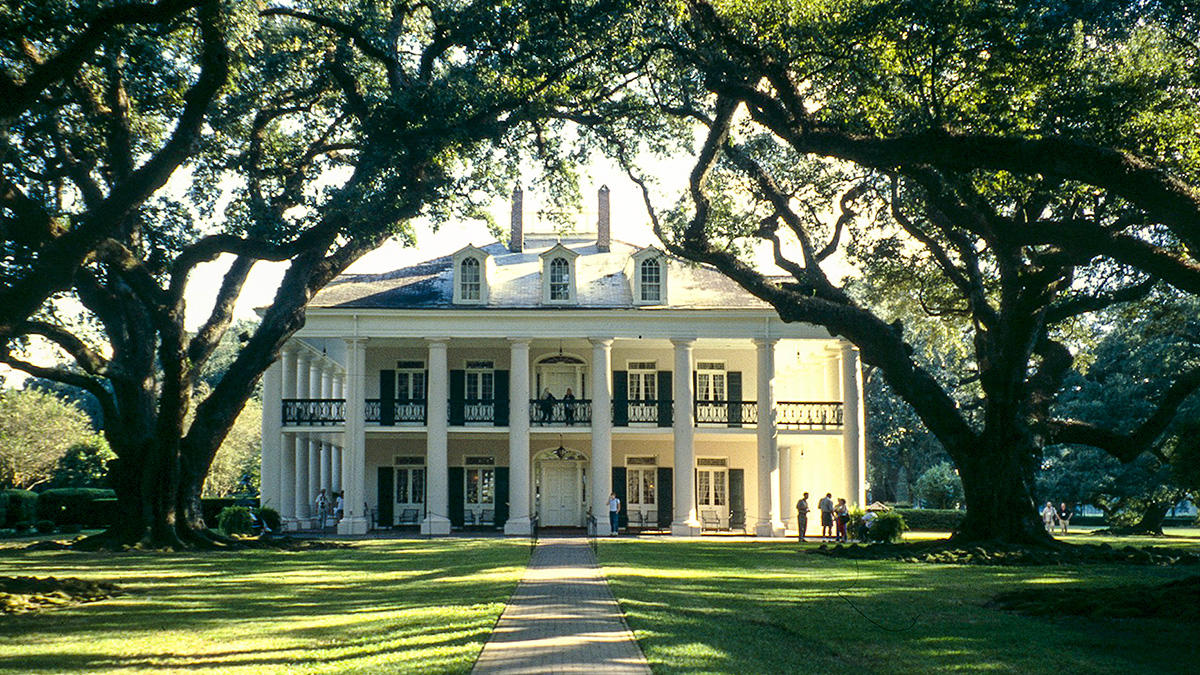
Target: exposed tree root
<point x="27" y="594"/>
<point x="947" y="551"/>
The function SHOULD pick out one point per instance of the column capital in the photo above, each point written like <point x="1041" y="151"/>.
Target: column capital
<point x="289" y="348"/>
<point x="605" y="342"/>
<point x="683" y="342"/>
<point x="438" y="341"/>
<point x="847" y="346"/>
<point x="303" y="356"/>
<point x="520" y="341"/>
<point x="356" y="340"/>
<point x="766" y="341"/>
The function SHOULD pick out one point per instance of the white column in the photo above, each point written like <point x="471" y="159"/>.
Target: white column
<point x="683" y="425"/>
<point x="314" y="446"/>
<point x="770" y="522"/>
<point x="326" y="459"/>
<point x="287" y="451"/>
<point x="272" y="437"/>
<point x="601" y="431"/>
<point x="786" y="500"/>
<point x="437" y="490"/>
<point x="339" y="393"/>
<point x="302" y="510"/>
<point x="354" y="440"/>
<point x="519" y="483"/>
<point x="854" y="444"/>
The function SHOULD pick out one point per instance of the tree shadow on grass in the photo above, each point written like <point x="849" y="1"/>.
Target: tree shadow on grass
<point x="762" y="608"/>
<point x="425" y="606"/>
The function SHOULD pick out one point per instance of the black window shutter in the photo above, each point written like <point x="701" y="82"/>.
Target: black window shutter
<point x="455" y="493"/>
<point x="618" y="487"/>
<point x="458" y="392"/>
<point x="500" y="404"/>
<point x="666" y="497"/>
<point x="737" y="498"/>
<point x="733" y="384"/>
<point x="387" y="398"/>
<point x="664" y="398"/>
<point x="620" y="398"/>
<point x="501" y="516"/>
<point x="383" y="510"/>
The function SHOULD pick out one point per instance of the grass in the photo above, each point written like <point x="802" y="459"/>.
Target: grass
<point x="382" y="606"/>
<point x="745" y="607"/>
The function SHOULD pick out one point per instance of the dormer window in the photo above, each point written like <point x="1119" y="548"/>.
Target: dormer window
<point x="558" y="275"/>
<point x="469" y="280"/>
<point x="560" y="279"/>
<point x="472" y="266"/>
<point x="651" y="281"/>
<point x="646" y="271"/>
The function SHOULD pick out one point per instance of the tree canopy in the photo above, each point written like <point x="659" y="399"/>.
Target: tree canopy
<point x="307" y="132"/>
<point x="1016" y="167"/>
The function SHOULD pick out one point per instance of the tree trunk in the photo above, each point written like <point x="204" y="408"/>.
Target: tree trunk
<point x="999" y="495"/>
<point x="1151" y="521"/>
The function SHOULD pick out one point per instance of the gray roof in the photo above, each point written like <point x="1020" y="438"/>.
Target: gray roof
<point x="515" y="283"/>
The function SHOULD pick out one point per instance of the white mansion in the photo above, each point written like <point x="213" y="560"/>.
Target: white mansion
<point x="508" y="386"/>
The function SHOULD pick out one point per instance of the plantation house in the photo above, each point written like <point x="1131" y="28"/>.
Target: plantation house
<point x="507" y="383"/>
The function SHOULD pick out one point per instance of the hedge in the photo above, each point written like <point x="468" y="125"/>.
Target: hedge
<point x="75" y="506"/>
<point x="942" y="520"/>
<point x="19" y="505"/>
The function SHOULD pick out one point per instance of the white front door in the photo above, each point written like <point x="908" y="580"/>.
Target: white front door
<point x="561" y="494"/>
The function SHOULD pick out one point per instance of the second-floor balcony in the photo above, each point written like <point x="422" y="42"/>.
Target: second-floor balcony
<point x="789" y="415"/>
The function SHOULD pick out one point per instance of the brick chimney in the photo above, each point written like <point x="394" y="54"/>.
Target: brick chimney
<point x="603" y="224"/>
<point x="516" y="241"/>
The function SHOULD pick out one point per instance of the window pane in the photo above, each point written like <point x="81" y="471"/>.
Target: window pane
<point x="648" y="494"/>
<point x="632" y="489"/>
<point x="402" y="486"/>
<point x="418" y="486"/>
<point x="718" y="380"/>
<point x="473" y="486"/>
<point x="718" y="488"/>
<point x="470" y="279"/>
<point x="487" y="486"/>
<point x="705" y="491"/>
<point x="487" y="386"/>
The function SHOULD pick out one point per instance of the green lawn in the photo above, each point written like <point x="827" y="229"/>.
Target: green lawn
<point x="760" y="607"/>
<point x="380" y="607"/>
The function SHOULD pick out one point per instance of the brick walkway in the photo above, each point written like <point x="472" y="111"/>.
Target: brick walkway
<point x="562" y="619"/>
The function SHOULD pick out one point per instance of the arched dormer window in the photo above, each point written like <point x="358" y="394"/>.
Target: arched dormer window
<point x="560" y="279"/>
<point x="472" y="266"/>
<point x="558" y="276"/>
<point x="651" y="280"/>
<point x="647" y="271"/>
<point x="469" y="280"/>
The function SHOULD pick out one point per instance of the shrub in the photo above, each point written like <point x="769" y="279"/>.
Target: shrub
<point x="74" y="506"/>
<point x="940" y="487"/>
<point x="20" y="505"/>
<point x="945" y="520"/>
<point x="271" y="518"/>
<point x="211" y="508"/>
<point x="888" y="527"/>
<point x="23" y="526"/>
<point x="235" y="520"/>
<point x="45" y="526"/>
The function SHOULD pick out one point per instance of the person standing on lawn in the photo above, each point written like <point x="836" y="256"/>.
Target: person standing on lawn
<point x="802" y="515"/>
<point x="1064" y="516"/>
<point x="841" y="514"/>
<point x="614" y="512"/>
<point x="1049" y="515"/>
<point x="825" y="506"/>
